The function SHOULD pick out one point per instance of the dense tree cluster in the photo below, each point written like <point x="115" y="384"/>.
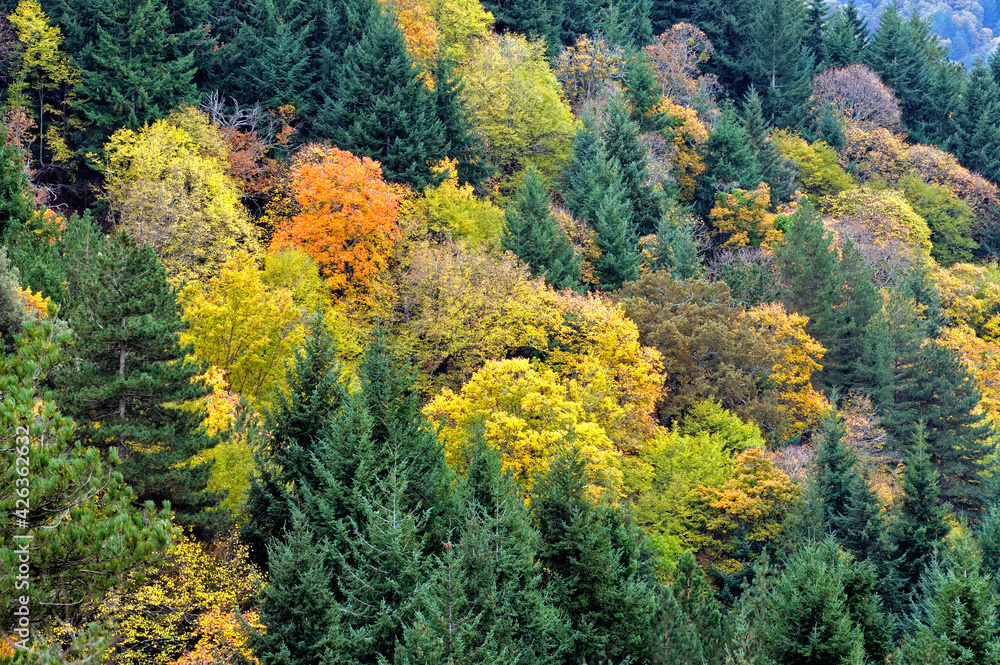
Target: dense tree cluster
<point x="514" y="331"/>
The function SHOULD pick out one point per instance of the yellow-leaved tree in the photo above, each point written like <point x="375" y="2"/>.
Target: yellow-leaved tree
<point x="742" y="218"/>
<point x="798" y="356"/>
<point x="167" y="186"/>
<point x="455" y="212"/>
<point x="527" y="413"/>
<point x="244" y="328"/>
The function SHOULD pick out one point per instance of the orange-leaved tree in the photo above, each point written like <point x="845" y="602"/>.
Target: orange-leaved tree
<point x="344" y="215"/>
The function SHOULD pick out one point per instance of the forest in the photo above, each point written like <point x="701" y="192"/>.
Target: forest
<point x="528" y="332"/>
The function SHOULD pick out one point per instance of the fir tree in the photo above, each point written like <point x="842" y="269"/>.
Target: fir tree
<point x="936" y="388"/>
<point x="131" y="72"/>
<point x="921" y="523"/>
<point x="898" y="59"/>
<point x="274" y="64"/>
<point x="664" y="14"/>
<point x="583" y="177"/>
<point x="945" y="83"/>
<point x="975" y="137"/>
<point x="849" y="322"/>
<point x="675" y="248"/>
<point x="729" y="161"/>
<point x="130" y="372"/>
<point x="817" y="24"/>
<point x="596" y="566"/>
<point x="533" y="234"/>
<point x="781" y="64"/>
<point x="644" y="93"/>
<point x="535" y="18"/>
<point x="777" y="171"/>
<point x="727" y="24"/>
<point x="689" y="628"/>
<point x="847" y="37"/>
<point x="460" y="136"/>
<point x="616" y="236"/>
<point x="956" y="618"/>
<point x="383" y="109"/>
<point x="988" y="537"/>
<point x="835" y="473"/>
<point x="620" y="139"/>
<point x="297" y="606"/>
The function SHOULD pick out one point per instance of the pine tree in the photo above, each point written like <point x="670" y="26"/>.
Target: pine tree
<point x="620" y="139"/>
<point x="921" y="523"/>
<point x="98" y="539"/>
<point x="975" y="137"/>
<point x="937" y="389"/>
<point x="297" y="607"/>
<point x="534" y="235"/>
<point x="130" y="372"/>
<point x="689" y="628"/>
<point x="131" y="72"/>
<point x="899" y="61"/>
<point x="596" y="567"/>
<point x="383" y="110"/>
<point x="616" y="236"/>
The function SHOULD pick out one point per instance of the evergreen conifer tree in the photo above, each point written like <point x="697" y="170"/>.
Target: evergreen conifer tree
<point x="130" y="372"/>
<point x="846" y="38"/>
<point x="729" y="161"/>
<point x="616" y="236"/>
<point x="835" y="474"/>
<point x="956" y="618"/>
<point x="945" y="82"/>
<point x="898" y="58"/>
<point x="777" y="171"/>
<point x="535" y="18"/>
<point x="937" y="389"/>
<point x="663" y="14"/>
<point x="689" y="628"/>
<point x="727" y="24"/>
<point x="921" y="523"/>
<point x="383" y="110"/>
<point x="583" y="177"/>
<point x="975" y="137"/>
<point x="988" y="537"/>
<point x="781" y="63"/>
<point x="620" y="139"/>
<point x="131" y="73"/>
<point x="16" y="207"/>
<point x="675" y="248"/>
<point x="644" y="93"/>
<point x="533" y="234"/>
<point x="817" y="25"/>
<point x="596" y="566"/>
<point x="462" y="141"/>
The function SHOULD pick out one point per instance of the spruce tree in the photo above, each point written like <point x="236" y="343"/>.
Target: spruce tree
<point x="675" y="248"/>
<point x="643" y="94"/>
<point x="975" y="137"/>
<point x="616" y="236"/>
<point x="937" y="389"/>
<point x="130" y="374"/>
<point x="921" y="525"/>
<point x="664" y="14"/>
<point x="727" y="24"/>
<point x="535" y="18"/>
<point x="688" y="628"/>
<point x="594" y="559"/>
<point x="817" y="25"/>
<point x="620" y="139"/>
<point x="988" y="537"/>
<point x="779" y="172"/>
<point x="835" y="469"/>
<point x="846" y="38"/>
<point x="383" y="109"/>
<point x="944" y="90"/>
<point x="534" y="235"/>
<point x="859" y="303"/>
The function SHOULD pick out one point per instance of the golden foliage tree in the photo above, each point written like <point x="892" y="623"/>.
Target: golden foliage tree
<point x="676" y="57"/>
<point x="344" y="215"/>
<point x="798" y="356"/>
<point x="167" y="186"/>
<point x="589" y="67"/>
<point x="742" y="217"/>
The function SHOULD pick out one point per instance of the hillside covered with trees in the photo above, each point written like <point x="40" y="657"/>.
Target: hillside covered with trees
<point x="563" y="332"/>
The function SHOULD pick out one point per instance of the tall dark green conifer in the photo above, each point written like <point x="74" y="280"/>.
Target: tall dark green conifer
<point x="975" y="137"/>
<point x="460" y="136"/>
<point x="582" y="179"/>
<point x="779" y="172"/>
<point x="817" y="26"/>
<point x="616" y="236"/>
<point x="130" y="375"/>
<point x="899" y="60"/>
<point x="727" y="24"/>
<point x="594" y="558"/>
<point x="383" y="110"/>
<point x="729" y="161"/>
<point x="533" y="234"/>
<point x="620" y="138"/>
<point x="781" y="63"/>
<point x="846" y="38"/>
<point x="689" y="628"/>
<point x="16" y="207"/>
<point x="921" y="524"/>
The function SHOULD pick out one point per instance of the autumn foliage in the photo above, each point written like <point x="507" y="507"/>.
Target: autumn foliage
<point x="346" y="215"/>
